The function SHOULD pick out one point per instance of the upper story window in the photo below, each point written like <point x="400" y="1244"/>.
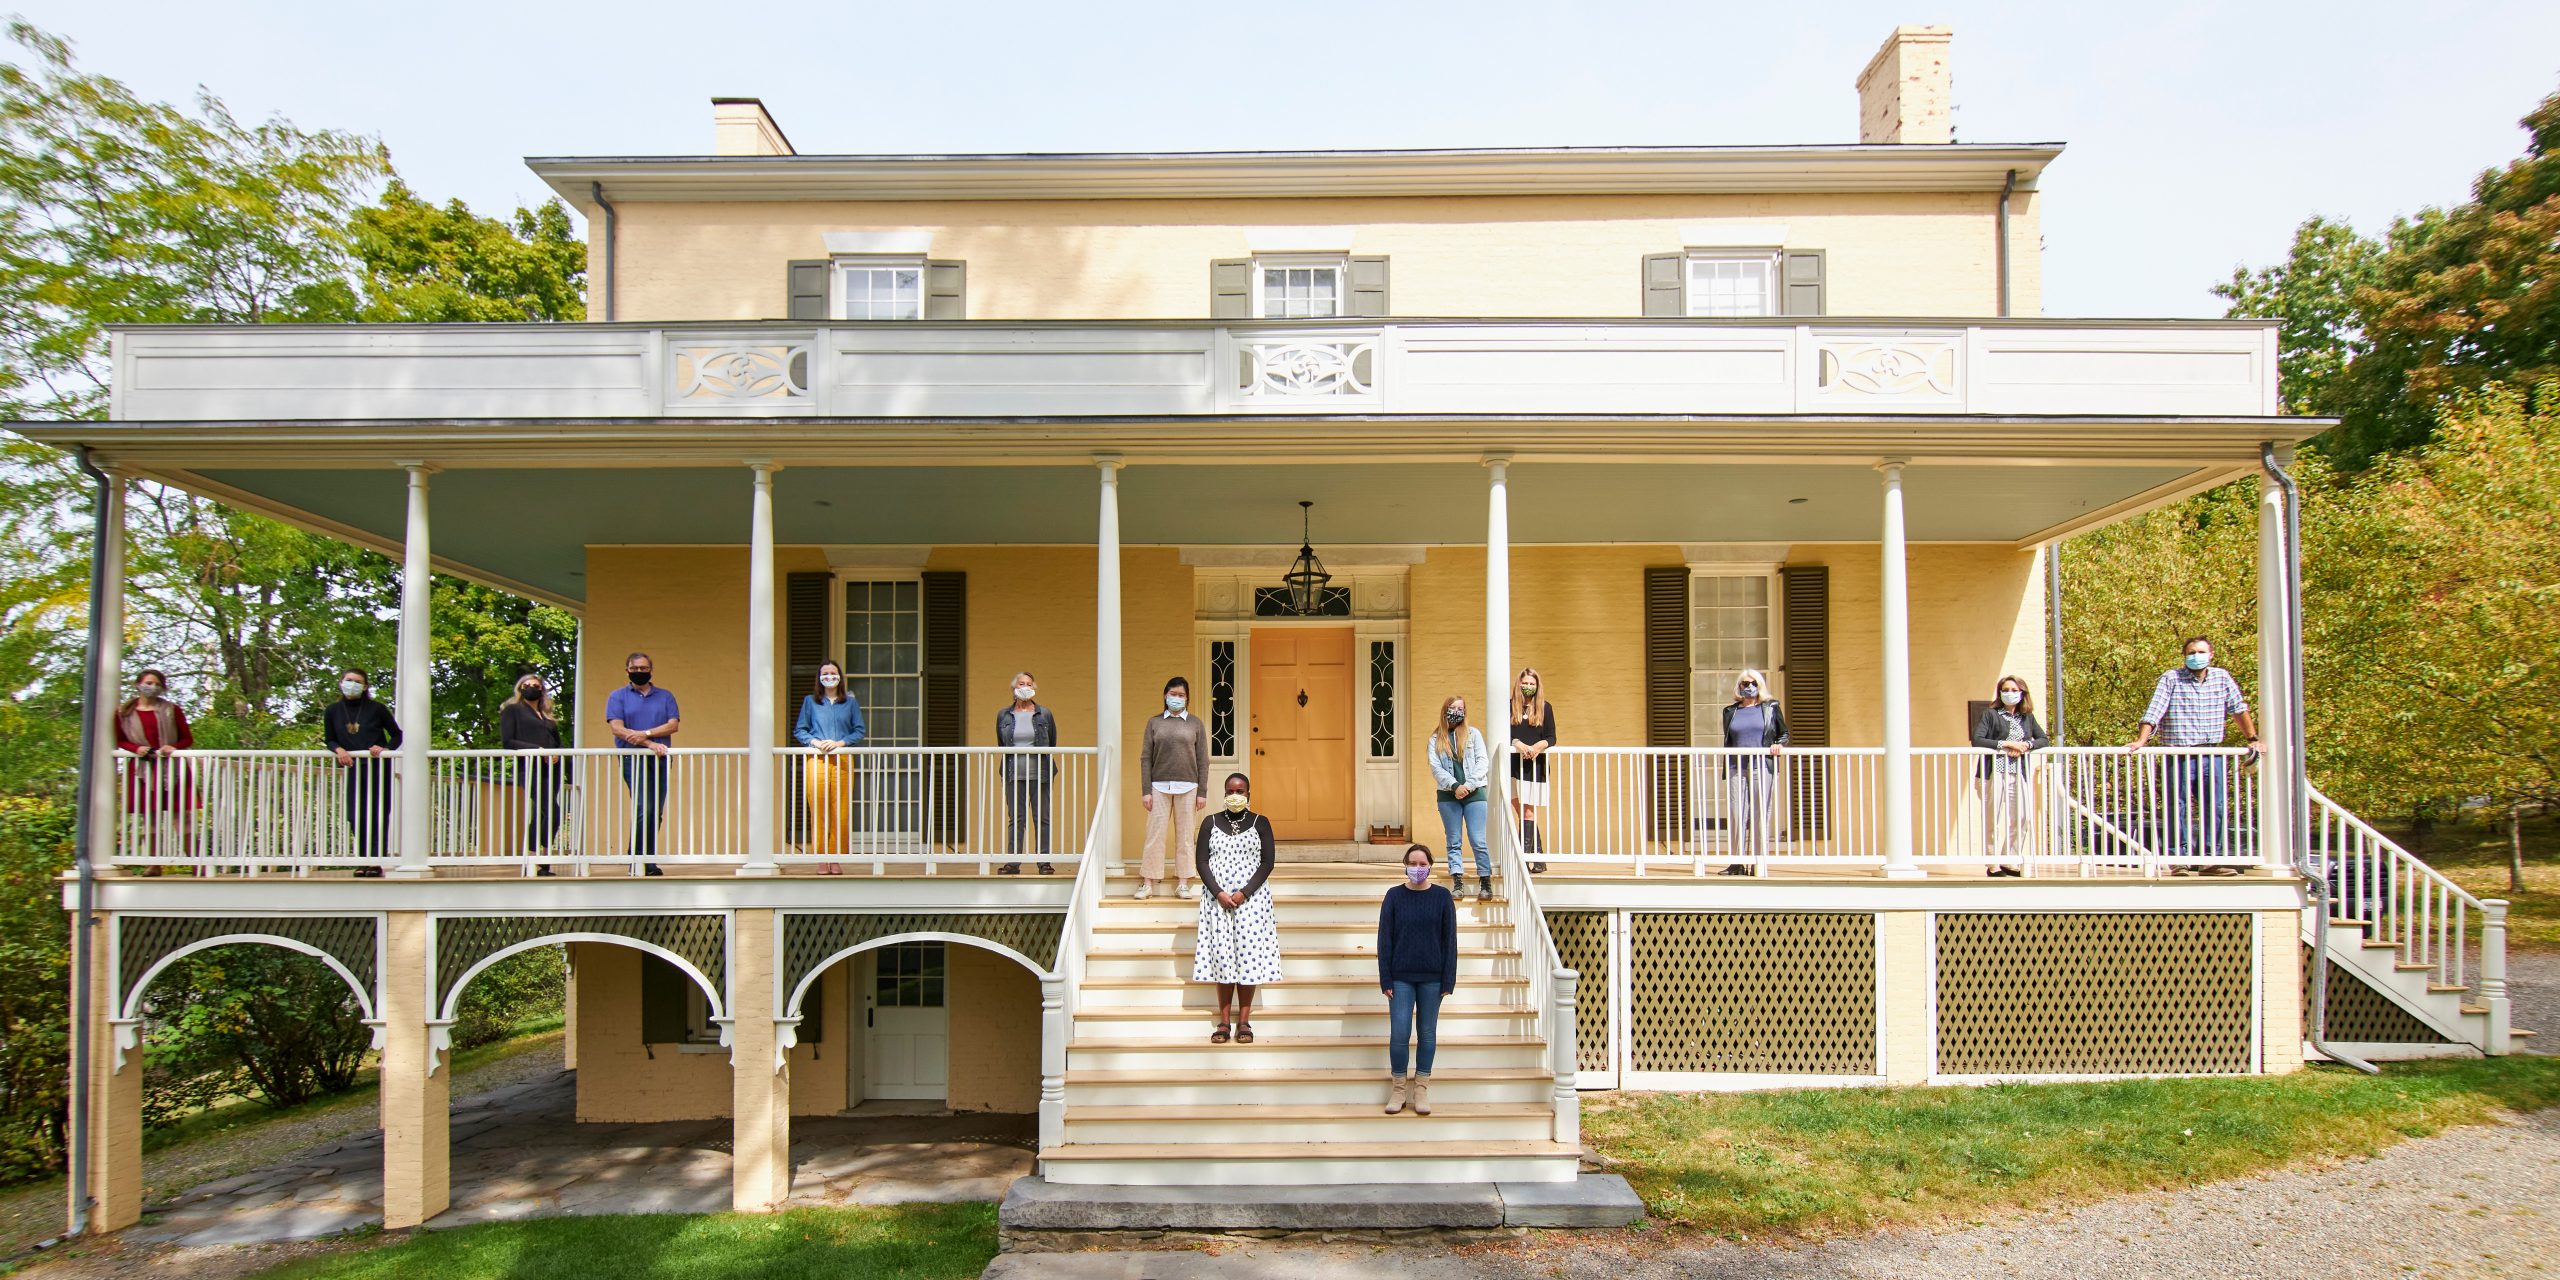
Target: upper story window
<point x="879" y="289"/>
<point x="1726" y="283"/>
<point x="1297" y="288"/>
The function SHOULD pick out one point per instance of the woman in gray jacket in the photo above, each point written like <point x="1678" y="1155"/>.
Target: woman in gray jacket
<point x="1025" y="723"/>
<point x="2008" y="730"/>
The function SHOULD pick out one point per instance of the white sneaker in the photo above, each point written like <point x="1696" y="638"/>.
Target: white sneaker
<point x="1146" y="890"/>
<point x="1182" y="889"/>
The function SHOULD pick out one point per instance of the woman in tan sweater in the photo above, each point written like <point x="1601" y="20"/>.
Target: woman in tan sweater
<point x="1173" y="762"/>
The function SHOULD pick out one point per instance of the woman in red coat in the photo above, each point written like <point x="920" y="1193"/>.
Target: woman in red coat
<point x="156" y="787"/>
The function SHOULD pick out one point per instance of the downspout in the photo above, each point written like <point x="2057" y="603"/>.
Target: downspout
<point x="85" y="896"/>
<point x="2315" y="1021"/>
<point x="2053" y="617"/>
<point x="2000" y="253"/>
<point x="612" y="223"/>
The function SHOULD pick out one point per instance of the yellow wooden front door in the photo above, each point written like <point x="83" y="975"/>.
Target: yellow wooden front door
<point x="1303" y="770"/>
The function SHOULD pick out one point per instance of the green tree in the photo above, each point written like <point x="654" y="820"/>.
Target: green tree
<point x="443" y="264"/>
<point x="2312" y="293"/>
<point x="484" y="639"/>
<point x="2131" y="592"/>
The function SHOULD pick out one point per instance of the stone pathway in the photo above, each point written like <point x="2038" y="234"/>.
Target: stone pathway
<point x="2474" y="1202"/>
<point x="518" y="1153"/>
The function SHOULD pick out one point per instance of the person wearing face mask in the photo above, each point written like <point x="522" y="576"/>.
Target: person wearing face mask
<point x="644" y="721"/>
<point x="1533" y="730"/>
<point x="1025" y="723"/>
<point x="1173" y="764"/>
<point x="830" y="720"/>
<point x="2008" y="730"/>
<point x="1459" y="767"/>
<point x="1238" y="940"/>
<point x="1417" y="969"/>
<point x="156" y="786"/>
<point x="2192" y="706"/>
<point x="1752" y="722"/>
<point x="359" y="730"/>
<point x="526" y="723"/>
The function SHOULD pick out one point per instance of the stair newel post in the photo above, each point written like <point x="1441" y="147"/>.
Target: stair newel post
<point x="1561" y="1041"/>
<point x="1053" y="1063"/>
<point x="2493" y="975"/>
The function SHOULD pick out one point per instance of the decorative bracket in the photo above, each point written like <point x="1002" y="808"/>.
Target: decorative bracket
<point x="786" y="1037"/>
<point x="439" y="1042"/>
<point x="128" y="1033"/>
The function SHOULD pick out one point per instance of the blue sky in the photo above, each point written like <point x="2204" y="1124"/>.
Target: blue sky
<point x="2199" y="134"/>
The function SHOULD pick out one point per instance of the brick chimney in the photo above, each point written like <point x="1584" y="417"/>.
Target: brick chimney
<point x="742" y="127"/>
<point x="1904" y="95"/>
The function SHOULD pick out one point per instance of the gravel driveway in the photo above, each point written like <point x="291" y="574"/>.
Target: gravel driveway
<point x="2533" y="998"/>
<point x="2472" y="1202"/>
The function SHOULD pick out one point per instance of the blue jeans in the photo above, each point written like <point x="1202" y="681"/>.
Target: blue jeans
<point x="2197" y="814"/>
<point x="1465" y="817"/>
<point x="645" y="773"/>
<point x="1413" y="1009"/>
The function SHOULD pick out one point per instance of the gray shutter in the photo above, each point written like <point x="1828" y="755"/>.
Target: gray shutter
<point x="945" y="661"/>
<point x="1800" y="285"/>
<point x="663" y="997"/>
<point x="805" y="288"/>
<point x="946" y="290"/>
<point x="1666" y="284"/>
<point x="805" y="597"/>
<point x="1368" y="287"/>
<point x="1666" y="694"/>
<point x="1804" y="592"/>
<point x="1231" y="289"/>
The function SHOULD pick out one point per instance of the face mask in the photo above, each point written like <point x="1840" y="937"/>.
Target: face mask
<point x="1175" y="702"/>
<point x="1528" y="691"/>
<point x="1023" y="692"/>
<point x="1416" y="875"/>
<point x="351" y="688"/>
<point x="2010" y="697"/>
<point x="640" y="678"/>
<point x="1750" y="691"/>
<point x="2199" y="661"/>
<point x="147" y="690"/>
<point x="1457" y="716"/>
<point x="828" y="679"/>
<point x="1237" y="800"/>
<point x="530" y="693"/>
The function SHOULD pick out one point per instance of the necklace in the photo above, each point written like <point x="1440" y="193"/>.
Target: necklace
<point x="1235" y="823"/>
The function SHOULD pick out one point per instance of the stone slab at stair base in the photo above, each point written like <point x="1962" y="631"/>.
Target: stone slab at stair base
<point x="1035" y="1205"/>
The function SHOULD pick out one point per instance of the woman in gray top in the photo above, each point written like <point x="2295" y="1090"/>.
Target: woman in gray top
<point x="1025" y="723"/>
<point x="2008" y="730"/>
<point x="1752" y="722"/>
<point x="1173" y="762"/>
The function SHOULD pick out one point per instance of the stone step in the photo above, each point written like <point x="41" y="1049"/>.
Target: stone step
<point x="1036" y="1208"/>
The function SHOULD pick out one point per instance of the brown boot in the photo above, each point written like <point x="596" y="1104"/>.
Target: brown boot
<point x="1395" y="1093"/>
<point x="1422" y="1095"/>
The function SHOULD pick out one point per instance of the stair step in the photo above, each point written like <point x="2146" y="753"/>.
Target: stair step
<point x="1246" y="1079"/>
<point x="1377" y="1042"/>
<point x="1362" y="1086"/>
<point x="1339" y="992"/>
<point x="2444" y="988"/>
<point x="1308" y="1163"/>
<point x="1271" y="1052"/>
<point x="1286" y="953"/>
<point x="1323" y="1111"/>
<point x="1328" y="1125"/>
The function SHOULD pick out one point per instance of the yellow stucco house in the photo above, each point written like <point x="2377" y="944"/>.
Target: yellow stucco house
<point x="1639" y="418"/>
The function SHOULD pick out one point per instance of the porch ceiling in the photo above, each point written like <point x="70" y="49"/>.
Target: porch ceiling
<point x="528" y="528"/>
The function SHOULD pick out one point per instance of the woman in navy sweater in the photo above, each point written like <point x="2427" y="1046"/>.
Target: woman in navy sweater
<point x="1417" y="965"/>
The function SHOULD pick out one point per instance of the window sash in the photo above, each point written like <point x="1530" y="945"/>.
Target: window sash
<point x="1298" y="290"/>
<point x="873" y="290"/>
<point x="1732" y="284"/>
<point x="1732" y="627"/>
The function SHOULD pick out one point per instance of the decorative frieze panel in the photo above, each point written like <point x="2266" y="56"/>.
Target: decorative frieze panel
<point x="738" y="377"/>
<point x="1756" y="993"/>
<point x="1296" y="369"/>
<point x="1895" y="373"/>
<point x="2094" y="994"/>
<point x="810" y="939"/>
<point x="463" y="941"/>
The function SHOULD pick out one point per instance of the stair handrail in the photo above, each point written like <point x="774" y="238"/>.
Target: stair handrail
<point x="1552" y="986"/>
<point x="2417" y="908"/>
<point x="1061" y="986"/>
<point x="2061" y="760"/>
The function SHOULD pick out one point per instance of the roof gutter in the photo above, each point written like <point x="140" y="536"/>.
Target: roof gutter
<point x="612" y="224"/>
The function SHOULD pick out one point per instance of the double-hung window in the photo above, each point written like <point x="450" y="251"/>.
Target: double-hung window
<point x="1728" y="282"/>
<point x="879" y="288"/>
<point x="1298" y="287"/>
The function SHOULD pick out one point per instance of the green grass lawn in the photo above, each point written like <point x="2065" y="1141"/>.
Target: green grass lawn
<point x="911" y="1242"/>
<point x="1825" y="1162"/>
<point x="2474" y="855"/>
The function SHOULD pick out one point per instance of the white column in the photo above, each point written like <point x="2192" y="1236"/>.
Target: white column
<point x="1106" y="659"/>
<point x="2275" y="682"/>
<point x="416" y="702"/>
<point x="1897" y="683"/>
<point x="1054" y="1029"/>
<point x="760" y="677"/>
<point x="1492" y="717"/>
<point x="107" y="677"/>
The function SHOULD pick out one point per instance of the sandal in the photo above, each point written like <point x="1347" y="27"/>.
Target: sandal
<point x="1244" y="1033"/>
<point x="1219" y="1036"/>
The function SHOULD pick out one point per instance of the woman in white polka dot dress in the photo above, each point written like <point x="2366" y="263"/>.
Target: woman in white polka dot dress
<point x="1239" y="943"/>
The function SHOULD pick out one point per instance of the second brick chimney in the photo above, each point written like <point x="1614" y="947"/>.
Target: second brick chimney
<point x="742" y="127"/>
<point x="1905" y="94"/>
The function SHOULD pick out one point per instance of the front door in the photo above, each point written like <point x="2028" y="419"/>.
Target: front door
<point x="1303" y="768"/>
<point x="906" y="1029"/>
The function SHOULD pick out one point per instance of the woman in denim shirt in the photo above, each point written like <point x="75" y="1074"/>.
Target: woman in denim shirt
<point x="1461" y="769"/>
<point x="830" y="720"/>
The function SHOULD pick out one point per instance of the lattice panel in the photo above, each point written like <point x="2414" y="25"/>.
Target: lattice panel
<point x="808" y="939"/>
<point x="1582" y="945"/>
<point x="2358" y="1014"/>
<point x="1758" y="993"/>
<point x="463" y="941"/>
<point x="2090" y="994"/>
<point x="143" y="941"/>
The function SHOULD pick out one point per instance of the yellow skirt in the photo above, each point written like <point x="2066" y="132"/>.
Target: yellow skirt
<point x="829" y="799"/>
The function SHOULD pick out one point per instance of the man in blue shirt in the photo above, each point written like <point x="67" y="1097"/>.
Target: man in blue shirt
<point x="2191" y="707"/>
<point x="644" y="720"/>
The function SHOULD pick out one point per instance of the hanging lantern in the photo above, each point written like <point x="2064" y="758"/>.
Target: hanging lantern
<point x="1306" y="576"/>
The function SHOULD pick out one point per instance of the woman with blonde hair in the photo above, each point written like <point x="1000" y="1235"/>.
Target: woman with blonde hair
<point x="1752" y="722"/>
<point x="1461" y="769"/>
<point x="1533" y="730"/>
<point x="2008" y="730"/>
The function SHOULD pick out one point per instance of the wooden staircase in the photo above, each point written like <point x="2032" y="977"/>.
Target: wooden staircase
<point x="1150" y="1102"/>
<point x="2451" y="1011"/>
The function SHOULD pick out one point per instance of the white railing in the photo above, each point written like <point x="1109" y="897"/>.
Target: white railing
<point x="2395" y="897"/>
<point x="1062" y="989"/>
<point x="2084" y="811"/>
<point x="570" y="808"/>
<point x="250" y="810"/>
<point x="1552" y="987"/>
<point x="928" y="808"/>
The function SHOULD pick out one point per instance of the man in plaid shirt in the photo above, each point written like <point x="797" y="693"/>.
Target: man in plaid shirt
<point x="2191" y="707"/>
